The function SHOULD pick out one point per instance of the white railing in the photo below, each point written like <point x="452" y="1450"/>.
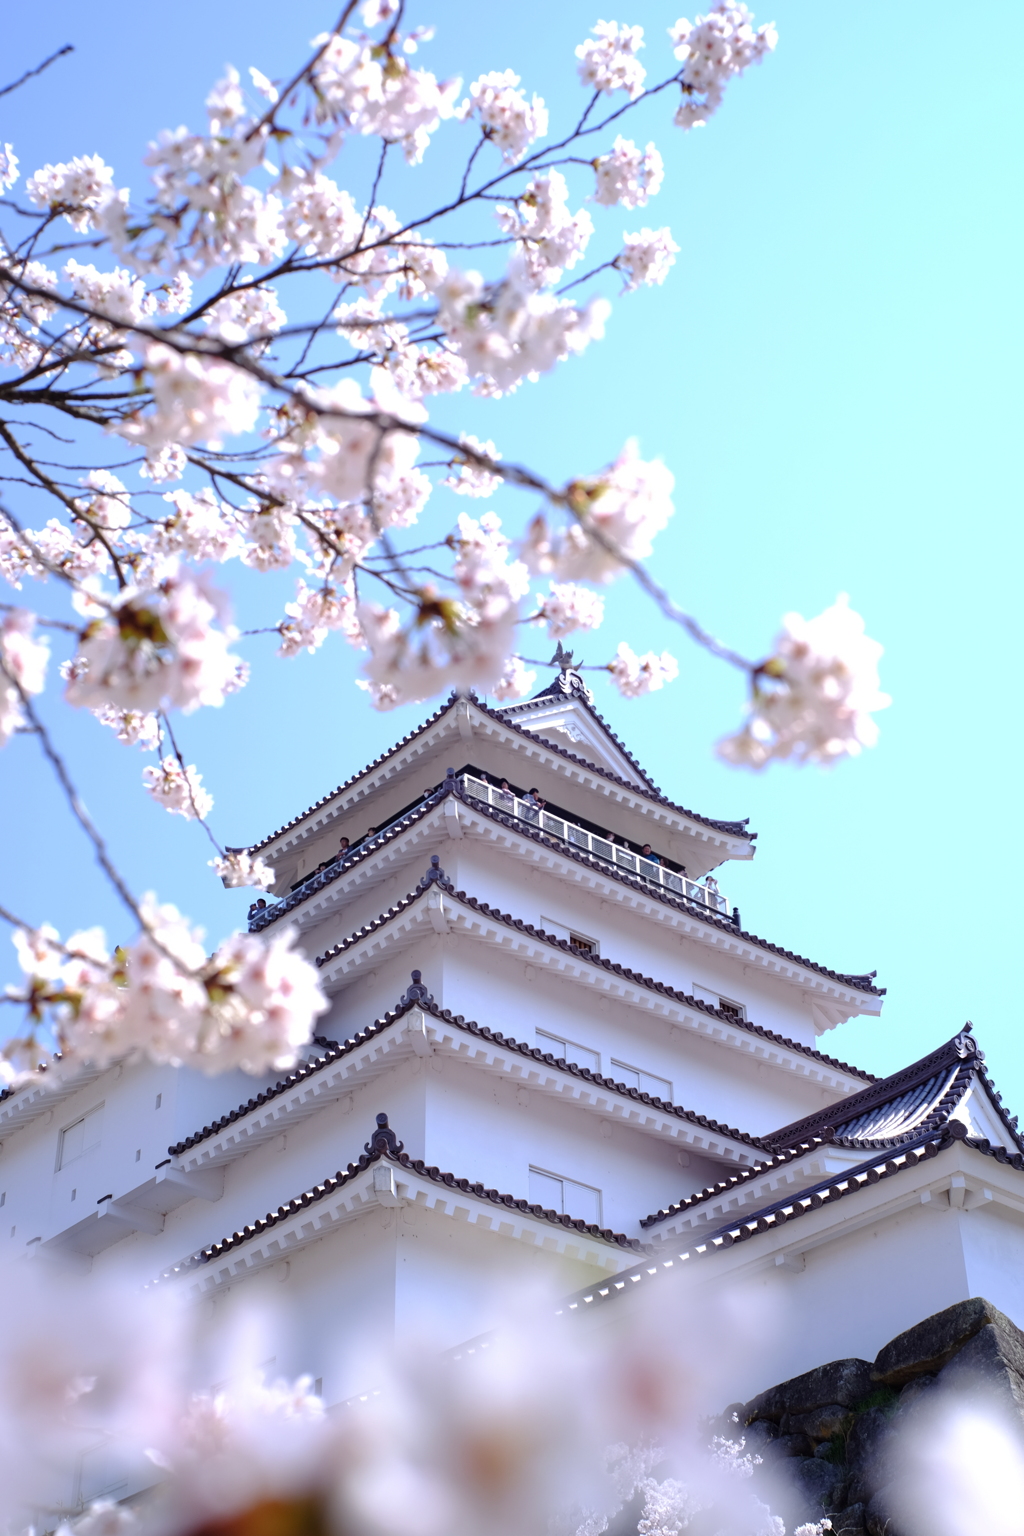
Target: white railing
<point x="602" y="847"/>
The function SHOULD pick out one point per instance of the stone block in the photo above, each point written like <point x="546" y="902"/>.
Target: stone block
<point x="821" y="1423"/>
<point x="849" y="1521"/>
<point x="867" y="1453"/>
<point x="841" y="1381"/>
<point x="991" y="1362"/>
<point x="817" y="1482"/>
<point x="926" y="1348"/>
<point x="788" y="1445"/>
<point x="880" y="1515"/>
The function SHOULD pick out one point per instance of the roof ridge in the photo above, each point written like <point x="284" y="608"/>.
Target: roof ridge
<point x="318" y="1192"/>
<point x="483" y="1031"/>
<point x="646" y="791"/>
<point x="436" y="874"/>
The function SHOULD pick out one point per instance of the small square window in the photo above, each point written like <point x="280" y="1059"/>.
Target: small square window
<point x="568" y="1050"/>
<point x="565" y="1197"/>
<point x="643" y="1082"/>
<point x="81" y="1137"/>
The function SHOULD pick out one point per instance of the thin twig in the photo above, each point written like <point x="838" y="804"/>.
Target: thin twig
<point x="30" y="73"/>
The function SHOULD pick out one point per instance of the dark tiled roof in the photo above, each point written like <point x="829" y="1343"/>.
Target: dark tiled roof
<point x="436" y="874"/>
<point x="325" y="800"/>
<point x="734" y="828"/>
<point x="418" y="997"/>
<point x="883" y="1165"/>
<point x="400" y="1160"/>
<point x="918" y="1098"/>
<point x="915" y="1102"/>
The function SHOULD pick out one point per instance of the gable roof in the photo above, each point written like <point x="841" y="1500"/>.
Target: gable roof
<point x="645" y="788"/>
<point x="563" y="690"/>
<point x="919" y="1101"/>
<point x="918" y="1098"/>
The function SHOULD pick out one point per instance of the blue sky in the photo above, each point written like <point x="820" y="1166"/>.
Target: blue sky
<point x="831" y="372"/>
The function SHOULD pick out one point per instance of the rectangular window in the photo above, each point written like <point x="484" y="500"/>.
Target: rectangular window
<point x="81" y="1137"/>
<point x="584" y="942"/>
<point x="644" y="1082"/>
<point x="565" y="1196"/>
<point x="726" y="1005"/>
<point x="159" y="1100"/>
<point x="568" y="1050"/>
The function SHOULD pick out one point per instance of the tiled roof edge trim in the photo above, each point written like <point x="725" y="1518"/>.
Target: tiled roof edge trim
<point x="934" y="1124"/>
<point x="354" y="779"/>
<point x="320" y="1191"/>
<point x="471" y="1027"/>
<point x="646" y="791"/>
<point x="725" y="925"/>
<point x="662" y="987"/>
<point x="826" y="1192"/>
<point x="370" y="845"/>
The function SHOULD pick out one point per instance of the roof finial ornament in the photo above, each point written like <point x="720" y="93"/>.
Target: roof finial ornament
<point x="965" y="1043"/>
<point x="384" y="1138"/>
<point x="417" y="993"/>
<point x="568" y="680"/>
<point x="435" y="872"/>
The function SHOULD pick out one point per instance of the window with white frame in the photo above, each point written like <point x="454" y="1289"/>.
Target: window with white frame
<point x="80" y="1137"/>
<point x="645" y="1082"/>
<point x="584" y="942"/>
<point x="727" y="1005"/>
<point x="565" y="1196"/>
<point x="569" y="1050"/>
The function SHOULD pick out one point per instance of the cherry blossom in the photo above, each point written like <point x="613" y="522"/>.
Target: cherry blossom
<point x="8" y="166"/>
<point x="156" y="648"/>
<point x="628" y="176"/>
<point x="548" y="237"/>
<point x="608" y="60"/>
<point x="76" y="190"/>
<point x="568" y="607"/>
<point x="238" y="867"/>
<point x="647" y="257"/>
<point x="23" y="661"/>
<point x="814" y="698"/>
<point x="512" y="332"/>
<point x="619" y="512"/>
<point x="469" y="478"/>
<point x="132" y="726"/>
<point x="636" y="675"/>
<point x="196" y="400"/>
<point x="714" y="49"/>
<point x="504" y="113"/>
<point x="178" y="789"/>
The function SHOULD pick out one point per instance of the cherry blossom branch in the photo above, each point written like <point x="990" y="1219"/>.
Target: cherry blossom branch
<point x="78" y="810"/>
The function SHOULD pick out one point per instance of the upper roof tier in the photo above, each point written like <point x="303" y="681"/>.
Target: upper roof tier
<point x="530" y="746"/>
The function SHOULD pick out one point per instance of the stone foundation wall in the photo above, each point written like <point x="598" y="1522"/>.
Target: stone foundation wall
<point x="830" y="1439"/>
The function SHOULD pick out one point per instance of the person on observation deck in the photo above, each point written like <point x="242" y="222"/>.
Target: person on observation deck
<point x="645" y="852"/>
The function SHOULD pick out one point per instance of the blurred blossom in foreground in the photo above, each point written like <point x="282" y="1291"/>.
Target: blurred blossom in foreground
<point x="961" y="1470"/>
<point x="813" y="699"/>
<point x="545" y="1426"/>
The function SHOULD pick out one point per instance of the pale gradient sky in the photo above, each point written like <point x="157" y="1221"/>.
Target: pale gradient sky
<point x="831" y="372"/>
